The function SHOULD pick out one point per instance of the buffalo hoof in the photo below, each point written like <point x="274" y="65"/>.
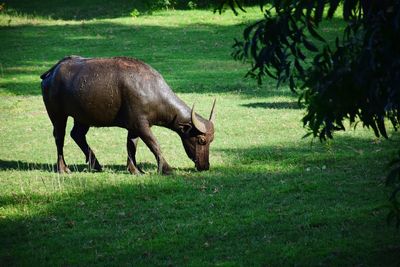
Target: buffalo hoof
<point x="167" y="171"/>
<point x="63" y="170"/>
<point x="62" y="166"/>
<point x="94" y="166"/>
<point x="134" y="170"/>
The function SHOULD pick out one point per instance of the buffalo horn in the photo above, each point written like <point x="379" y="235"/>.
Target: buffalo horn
<point x="197" y="123"/>
<point x="212" y="114"/>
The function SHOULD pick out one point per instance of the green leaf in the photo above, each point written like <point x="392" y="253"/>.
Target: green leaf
<point x="310" y="46"/>
<point x="314" y="33"/>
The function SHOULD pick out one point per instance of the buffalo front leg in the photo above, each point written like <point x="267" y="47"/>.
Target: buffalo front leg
<point x="78" y="133"/>
<point x="59" y="136"/>
<point x="131" y="145"/>
<point x="151" y="142"/>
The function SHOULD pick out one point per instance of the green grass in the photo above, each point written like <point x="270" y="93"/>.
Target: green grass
<point x="269" y="199"/>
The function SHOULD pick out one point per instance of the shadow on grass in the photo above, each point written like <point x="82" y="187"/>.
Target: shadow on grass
<point x="76" y="10"/>
<point x="219" y="220"/>
<point x="18" y="165"/>
<point x="236" y="214"/>
<point x="273" y="105"/>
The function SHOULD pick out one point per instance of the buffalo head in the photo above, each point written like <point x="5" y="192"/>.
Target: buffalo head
<point x="196" y="138"/>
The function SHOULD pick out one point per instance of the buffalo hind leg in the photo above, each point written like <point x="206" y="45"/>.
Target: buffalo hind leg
<point x="78" y="133"/>
<point x="151" y="142"/>
<point x="59" y="125"/>
<point x="131" y="145"/>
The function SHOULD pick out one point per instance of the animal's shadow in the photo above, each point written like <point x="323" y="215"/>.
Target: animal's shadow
<point x="273" y="105"/>
<point x="47" y="167"/>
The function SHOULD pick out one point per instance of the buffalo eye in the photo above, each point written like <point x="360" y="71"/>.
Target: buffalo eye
<point x="202" y="140"/>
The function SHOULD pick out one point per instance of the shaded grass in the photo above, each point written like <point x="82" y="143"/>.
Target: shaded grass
<point x="75" y="10"/>
<point x="270" y="198"/>
<point x="112" y="218"/>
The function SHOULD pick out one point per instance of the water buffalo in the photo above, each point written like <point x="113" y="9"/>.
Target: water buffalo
<point x="122" y="92"/>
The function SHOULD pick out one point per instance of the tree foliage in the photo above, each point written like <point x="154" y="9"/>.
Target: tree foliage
<point x="355" y="78"/>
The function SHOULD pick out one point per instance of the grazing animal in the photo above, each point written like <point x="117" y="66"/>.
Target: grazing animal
<point x="122" y="92"/>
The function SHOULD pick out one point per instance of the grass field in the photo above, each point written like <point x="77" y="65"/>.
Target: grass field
<point x="269" y="199"/>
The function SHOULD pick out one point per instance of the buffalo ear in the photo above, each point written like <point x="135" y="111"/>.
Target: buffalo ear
<point x="198" y="124"/>
<point x="185" y="127"/>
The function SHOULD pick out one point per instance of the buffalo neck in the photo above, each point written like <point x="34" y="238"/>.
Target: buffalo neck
<point x="176" y="113"/>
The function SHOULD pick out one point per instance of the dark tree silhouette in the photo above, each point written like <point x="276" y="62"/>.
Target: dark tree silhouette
<point x="356" y="78"/>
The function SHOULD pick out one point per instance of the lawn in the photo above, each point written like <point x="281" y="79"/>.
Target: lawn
<point x="270" y="197"/>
